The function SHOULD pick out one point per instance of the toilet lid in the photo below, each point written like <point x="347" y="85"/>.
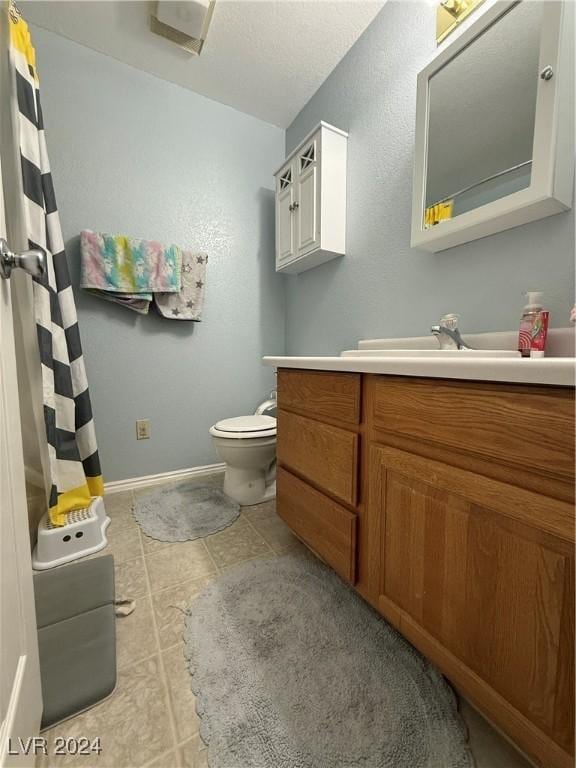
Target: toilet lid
<point x="247" y="424"/>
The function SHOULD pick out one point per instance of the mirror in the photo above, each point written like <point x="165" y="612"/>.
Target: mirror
<point x="494" y="125"/>
<point x="482" y="112"/>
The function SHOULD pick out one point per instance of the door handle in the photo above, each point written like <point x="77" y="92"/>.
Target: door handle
<point x="33" y="262"/>
<point x="294" y="206"/>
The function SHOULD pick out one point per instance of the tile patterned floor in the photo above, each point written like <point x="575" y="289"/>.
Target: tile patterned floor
<point x="150" y="720"/>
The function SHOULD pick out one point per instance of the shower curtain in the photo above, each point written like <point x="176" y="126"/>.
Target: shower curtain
<point x="74" y="466"/>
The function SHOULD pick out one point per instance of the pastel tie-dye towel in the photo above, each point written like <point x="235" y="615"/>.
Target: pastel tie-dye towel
<point x="128" y="270"/>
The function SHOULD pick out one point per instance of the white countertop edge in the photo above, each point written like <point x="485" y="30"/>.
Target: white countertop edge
<point x="559" y="372"/>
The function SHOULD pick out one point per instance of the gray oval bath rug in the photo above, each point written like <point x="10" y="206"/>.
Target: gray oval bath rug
<point x="292" y="669"/>
<point x="184" y="512"/>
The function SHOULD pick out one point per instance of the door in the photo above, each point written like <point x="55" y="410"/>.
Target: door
<point x="285" y="216"/>
<point x="20" y="690"/>
<point x="308" y="199"/>
<point x="485" y="571"/>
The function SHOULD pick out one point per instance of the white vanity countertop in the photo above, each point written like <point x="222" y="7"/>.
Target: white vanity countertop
<point x="556" y="371"/>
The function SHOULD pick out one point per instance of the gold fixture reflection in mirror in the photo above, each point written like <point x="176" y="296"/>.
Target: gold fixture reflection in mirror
<point x="450" y="13"/>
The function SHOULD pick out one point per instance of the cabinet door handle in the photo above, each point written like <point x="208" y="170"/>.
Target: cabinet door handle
<point x="295" y="206"/>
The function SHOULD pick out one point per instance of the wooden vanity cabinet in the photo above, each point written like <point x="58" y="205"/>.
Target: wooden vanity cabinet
<point x="450" y="505"/>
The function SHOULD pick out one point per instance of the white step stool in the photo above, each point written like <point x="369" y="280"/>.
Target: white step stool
<point x="83" y="534"/>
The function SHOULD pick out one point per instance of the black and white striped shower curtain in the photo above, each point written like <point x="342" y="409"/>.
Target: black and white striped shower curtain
<point x="75" y="474"/>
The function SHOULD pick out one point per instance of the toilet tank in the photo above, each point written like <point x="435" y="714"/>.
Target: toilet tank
<point x="268" y="407"/>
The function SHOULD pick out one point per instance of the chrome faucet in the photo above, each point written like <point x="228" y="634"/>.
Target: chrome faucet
<point x="448" y="334"/>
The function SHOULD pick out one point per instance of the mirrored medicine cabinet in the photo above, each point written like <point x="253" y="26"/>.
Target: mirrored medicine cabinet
<point x="495" y="125"/>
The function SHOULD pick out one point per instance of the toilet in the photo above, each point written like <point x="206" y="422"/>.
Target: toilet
<point x="247" y="445"/>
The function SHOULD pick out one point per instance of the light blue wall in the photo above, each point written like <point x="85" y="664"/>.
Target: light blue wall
<point x="134" y="154"/>
<point x="382" y="287"/>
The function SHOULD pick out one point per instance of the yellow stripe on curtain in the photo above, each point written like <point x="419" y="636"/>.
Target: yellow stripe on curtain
<point x="77" y="498"/>
<point x="20" y="38"/>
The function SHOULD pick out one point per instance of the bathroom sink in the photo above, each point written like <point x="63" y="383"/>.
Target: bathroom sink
<point x="433" y="353"/>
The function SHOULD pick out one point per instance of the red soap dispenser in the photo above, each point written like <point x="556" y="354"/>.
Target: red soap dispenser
<point x="533" y="326"/>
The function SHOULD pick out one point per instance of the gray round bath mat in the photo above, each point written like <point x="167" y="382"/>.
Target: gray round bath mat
<point x="184" y="512"/>
<point x="292" y="669"/>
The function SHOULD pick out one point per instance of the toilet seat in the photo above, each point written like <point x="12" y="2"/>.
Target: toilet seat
<point x="245" y="427"/>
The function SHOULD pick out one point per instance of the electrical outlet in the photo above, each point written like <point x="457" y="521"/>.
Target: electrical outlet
<point x="142" y="429"/>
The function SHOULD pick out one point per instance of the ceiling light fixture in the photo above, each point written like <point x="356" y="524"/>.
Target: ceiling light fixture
<point x="184" y="22"/>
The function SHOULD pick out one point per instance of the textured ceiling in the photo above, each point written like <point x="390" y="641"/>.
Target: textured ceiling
<point x="263" y="57"/>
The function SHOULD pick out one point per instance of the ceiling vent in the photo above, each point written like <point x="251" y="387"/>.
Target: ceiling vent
<point x="184" y="22"/>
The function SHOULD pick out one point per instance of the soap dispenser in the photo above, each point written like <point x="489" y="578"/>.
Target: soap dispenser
<point x="533" y="326"/>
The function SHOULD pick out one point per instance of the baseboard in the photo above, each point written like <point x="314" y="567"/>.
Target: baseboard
<point x="131" y="483"/>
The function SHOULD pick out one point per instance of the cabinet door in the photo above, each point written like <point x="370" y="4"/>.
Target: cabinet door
<point x="285" y="222"/>
<point x="308" y="198"/>
<point x="481" y="572"/>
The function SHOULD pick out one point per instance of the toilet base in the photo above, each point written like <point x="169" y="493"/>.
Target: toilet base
<point x="248" y="487"/>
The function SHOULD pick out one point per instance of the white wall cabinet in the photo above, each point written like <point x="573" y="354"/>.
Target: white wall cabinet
<point x="311" y="201"/>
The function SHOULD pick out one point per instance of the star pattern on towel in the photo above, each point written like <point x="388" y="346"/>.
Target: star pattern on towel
<point x="190" y="304"/>
<point x="176" y="311"/>
<point x="187" y="268"/>
<point x="199" y="283"/>
<point x="199" y="259"/>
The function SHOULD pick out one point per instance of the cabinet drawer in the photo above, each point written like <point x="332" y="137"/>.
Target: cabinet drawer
<point x="325" y="396"/>
<point x="325" y="526"/>
<point x="324" y="454"/>
<point x="531" y="428"/>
